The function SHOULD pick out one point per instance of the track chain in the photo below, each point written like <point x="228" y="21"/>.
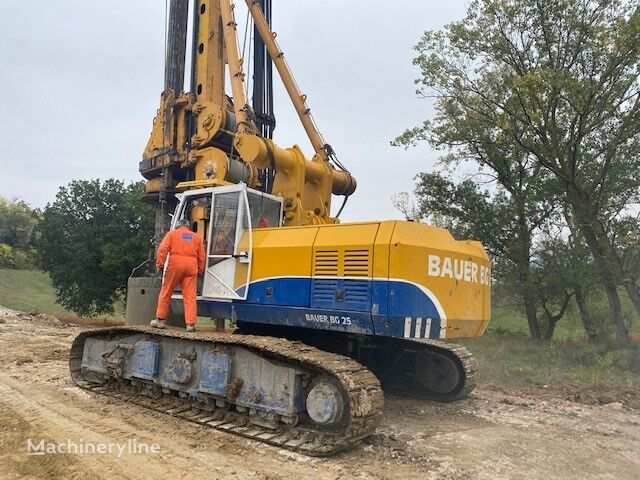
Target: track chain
<point x="361" y="387"/>
<point x="467" y="364"/>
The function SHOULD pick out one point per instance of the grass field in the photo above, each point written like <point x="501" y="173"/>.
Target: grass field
<point x="505" y="354"/>
<point x="516" y="360"/>
<point x="511" y="320"/>
<point x="31" y="291"/>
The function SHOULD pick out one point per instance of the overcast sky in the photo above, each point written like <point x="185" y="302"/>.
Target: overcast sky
<point x="80" y="83"/>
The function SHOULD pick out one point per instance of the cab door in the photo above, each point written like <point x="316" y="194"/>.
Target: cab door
<point x="228" y="266"/>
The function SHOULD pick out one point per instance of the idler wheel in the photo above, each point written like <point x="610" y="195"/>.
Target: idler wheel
<point x="325" y="403"/>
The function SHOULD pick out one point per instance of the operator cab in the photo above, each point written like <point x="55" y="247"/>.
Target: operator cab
<point x="224" y="217"/>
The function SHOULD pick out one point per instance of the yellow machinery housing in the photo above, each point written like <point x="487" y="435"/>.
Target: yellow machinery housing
<point x="391" y="278"/>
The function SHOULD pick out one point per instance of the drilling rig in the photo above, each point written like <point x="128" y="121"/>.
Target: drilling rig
<point x="327" y="313"/>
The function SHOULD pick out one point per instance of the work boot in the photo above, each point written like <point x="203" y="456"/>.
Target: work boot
<point x="157" y="323"/>
<point x="191" y="328"/>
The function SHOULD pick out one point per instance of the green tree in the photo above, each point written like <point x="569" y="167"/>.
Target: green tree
<point x="93" y="235"/>
<point x="557" y="82"/>
<point x="583" y="275"/>
<point x="18" y="228"/>
<point x="559" y="274"/>
<point x="625" y="234"/>
<point x="404" y="203"/>
<point x="17" y="223"/>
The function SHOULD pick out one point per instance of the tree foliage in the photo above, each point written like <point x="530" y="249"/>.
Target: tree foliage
<point x="93" y="235"/>
<point x="549" y="89"/>
<point x="18" y="228"/>
<point x="17" y="223"/>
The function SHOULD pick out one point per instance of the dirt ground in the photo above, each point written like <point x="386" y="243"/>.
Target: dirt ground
<point x="497" y="433"/>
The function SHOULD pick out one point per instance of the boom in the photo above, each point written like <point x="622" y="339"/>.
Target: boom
<point x="296" y="96"/>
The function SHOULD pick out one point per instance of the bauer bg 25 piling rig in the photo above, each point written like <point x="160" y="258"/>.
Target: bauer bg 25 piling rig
<point x="327" y="313"/>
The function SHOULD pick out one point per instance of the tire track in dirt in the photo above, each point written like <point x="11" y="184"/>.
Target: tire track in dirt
<point x="494" y="434"/>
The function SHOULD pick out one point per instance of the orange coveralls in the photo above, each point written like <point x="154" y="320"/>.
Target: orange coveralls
<point x="186" y="259"/>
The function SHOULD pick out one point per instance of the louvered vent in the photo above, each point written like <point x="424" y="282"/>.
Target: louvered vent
<point x="326" y="263"/>
<point x="356" y="263"/>
<point x="350" y="289"/>
<point x="324" y="291"/>
<point x="356" y="291"/>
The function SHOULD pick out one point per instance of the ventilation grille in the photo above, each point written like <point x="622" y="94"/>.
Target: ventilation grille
<point x="324" y="291"/>
<point x="326" y="263"/>
<point x="356" y="263"/>
<point x="342" y="280"/>
<point x="356" y="291"/>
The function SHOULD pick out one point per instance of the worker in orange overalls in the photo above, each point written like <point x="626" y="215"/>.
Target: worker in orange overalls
<point x="185" y="251"/>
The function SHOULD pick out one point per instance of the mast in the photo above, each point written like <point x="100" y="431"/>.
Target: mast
<point x="263" y="94"/>
<point x="173" y="84"/>
<point x="176" y="46"/>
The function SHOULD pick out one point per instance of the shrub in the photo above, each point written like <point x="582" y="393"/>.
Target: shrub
<point x="16" y="259"/>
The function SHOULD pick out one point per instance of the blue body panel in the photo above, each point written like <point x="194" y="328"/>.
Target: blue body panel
<point x="407" y="300"/>
<point x="289" y="291"/>
<point x="382" y="307"/>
